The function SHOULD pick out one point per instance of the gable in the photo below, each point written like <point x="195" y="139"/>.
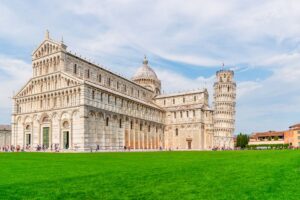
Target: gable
<point x="47" y="47"/>
<point x="50" y="82"/>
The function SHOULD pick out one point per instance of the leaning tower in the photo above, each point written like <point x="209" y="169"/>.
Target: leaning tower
<point x="224" y="108"/>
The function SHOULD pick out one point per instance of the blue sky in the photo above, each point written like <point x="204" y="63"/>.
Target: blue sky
<point x="185" y="41"/>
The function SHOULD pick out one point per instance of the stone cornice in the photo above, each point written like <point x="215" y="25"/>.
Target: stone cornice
<point x="124" y="95"/>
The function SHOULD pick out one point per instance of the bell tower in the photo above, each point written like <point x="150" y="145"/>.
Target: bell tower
<point x="224" y="109"/>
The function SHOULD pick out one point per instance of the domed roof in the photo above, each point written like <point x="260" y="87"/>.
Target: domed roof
<point x="145" y="72"/>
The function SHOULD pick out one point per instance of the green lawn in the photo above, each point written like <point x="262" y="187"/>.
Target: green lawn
<point x="151" y="175"/>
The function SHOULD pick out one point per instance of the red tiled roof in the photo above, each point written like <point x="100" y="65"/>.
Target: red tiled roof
<point x="267" y="134"/>
<point x="5" y="127"/>
<point x="295" y="126"/>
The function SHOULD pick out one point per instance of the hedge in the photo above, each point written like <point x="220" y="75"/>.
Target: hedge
<point x="268" y="146"/>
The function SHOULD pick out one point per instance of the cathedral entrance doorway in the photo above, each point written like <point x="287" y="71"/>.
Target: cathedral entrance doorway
<point x="28" y="139"/>
<point x="66" y="135"/>
<point x="189" y="143"/>
<point x="46" y="137"/>
<point x="66" y="139"/>
<point x="28" y="135"/>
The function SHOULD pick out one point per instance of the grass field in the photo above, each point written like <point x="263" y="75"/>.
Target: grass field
<point x="151" y="175"/>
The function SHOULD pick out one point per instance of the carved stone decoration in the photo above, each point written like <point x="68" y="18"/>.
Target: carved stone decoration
<point x="78" y="106"/>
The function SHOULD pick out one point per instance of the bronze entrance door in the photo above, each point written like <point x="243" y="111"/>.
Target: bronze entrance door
<point x="189" y="143"/>
<point x="28" y="139"/>
<point x="66" y="140"/>
<point x="46" y="137"/>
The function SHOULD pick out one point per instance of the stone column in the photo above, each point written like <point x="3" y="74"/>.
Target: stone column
<point x="133" y="136"/>
<point x="142" y="137"/>
<point x="50" y="133"/>
<point x="32" y="134"/>
<point x="151" y="137"/>
<point x="102" y="131"/>
<point x="60" y="134"/>
<point x="71" y="133"/>
<point x="148" y="138"/>
<point x="39" y="133"/>
<point x="128" y="134"/>
<point x="157" y="138"/>
<point x="137" y="143"/>
<point x="24" y="136"/>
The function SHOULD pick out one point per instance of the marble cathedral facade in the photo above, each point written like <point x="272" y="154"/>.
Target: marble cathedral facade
<point x="76" y="105"/>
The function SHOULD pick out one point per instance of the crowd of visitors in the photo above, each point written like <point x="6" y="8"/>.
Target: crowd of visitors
<point x="56" y="148"/>
<point x="28" y="148"/>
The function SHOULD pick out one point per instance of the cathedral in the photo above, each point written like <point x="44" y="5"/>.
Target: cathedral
<point x="76" y="105"/>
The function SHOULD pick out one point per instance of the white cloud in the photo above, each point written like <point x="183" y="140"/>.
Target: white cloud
<point x="175" y="82"/>
<point x="14" y="74"/>
<point x="242" y="34"/>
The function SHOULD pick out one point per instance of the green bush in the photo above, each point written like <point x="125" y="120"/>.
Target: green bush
<point x="242" y="140"/>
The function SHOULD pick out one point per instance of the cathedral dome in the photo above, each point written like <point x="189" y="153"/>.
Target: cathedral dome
<point x="145" y="72"/>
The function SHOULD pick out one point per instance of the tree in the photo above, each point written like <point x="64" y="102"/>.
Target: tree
<point x="242" y="140"/>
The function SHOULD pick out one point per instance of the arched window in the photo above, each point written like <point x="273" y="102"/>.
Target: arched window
<point x="93" y="94"/>
<point x="75" y="69"/>
<point x="141" y="127"/>
<point x="187" y="113"/>
<point x="149" y="128"/>
<point x="88" y="73"/>
<point x="164" y="102"/>
<point x="19" y="109"/>
<point x="54" y="102"/>
<point x="131" y="125"/>
<point x="194" y="113"/>
<point x="120" y="123"/>
<point x="195" y="98"/>
<point x="175" y="115"/>
<point x="181" y="114"/>
<point x="183" y="100"/>
<point x="173" y="101"/>
<point x="108" y="81"/>
<point x="99" y="78"/>
<point x="176" y="132"/>
<point x="107" y="121"/>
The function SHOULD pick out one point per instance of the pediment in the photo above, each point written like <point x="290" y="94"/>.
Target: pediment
<point x="33" y="86"/>
<point x="48" y="46"/>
